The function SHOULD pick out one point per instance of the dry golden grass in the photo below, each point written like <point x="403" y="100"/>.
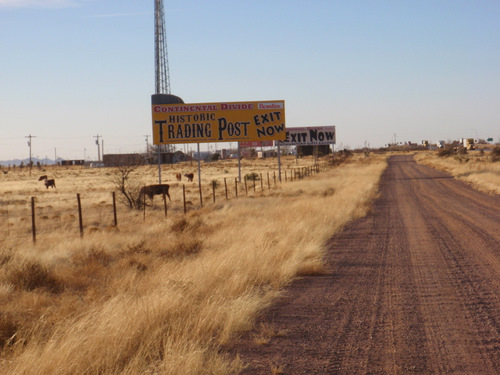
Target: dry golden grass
<point x="266" y="332"/>
<point x="475" y="168"/>
<point x="164" y="295"/>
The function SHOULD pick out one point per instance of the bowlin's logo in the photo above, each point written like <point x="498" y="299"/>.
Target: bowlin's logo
<point x="270" y="106"/>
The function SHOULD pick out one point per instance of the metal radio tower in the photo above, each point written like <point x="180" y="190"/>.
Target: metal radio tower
<point x="162" y="77"/>
<point x="161" y="56"/>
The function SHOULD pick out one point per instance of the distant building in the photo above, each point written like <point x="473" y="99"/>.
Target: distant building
<point x="72" y="162"/>
<point x="173" y="157"/>
<point x="202" y="155"/>
<point x="116" y="160"/>
<point x="266" y="154"/>
<point x="310" y="150"/>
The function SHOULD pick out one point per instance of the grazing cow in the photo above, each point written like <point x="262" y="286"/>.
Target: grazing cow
<point x="152" y="190"/>
<point x="189" y="176"/>
<point x="50" y="182"/>
<point x="44" y="177"/>
<point x="178" y="176"/>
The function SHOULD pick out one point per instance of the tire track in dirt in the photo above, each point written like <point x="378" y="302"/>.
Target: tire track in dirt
<point x="412" y="287"/>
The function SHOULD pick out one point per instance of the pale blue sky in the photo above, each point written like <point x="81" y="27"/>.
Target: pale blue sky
<point x="72" y="69"/>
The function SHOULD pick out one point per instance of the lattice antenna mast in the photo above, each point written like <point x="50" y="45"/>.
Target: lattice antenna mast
<point x="162" y="74"/>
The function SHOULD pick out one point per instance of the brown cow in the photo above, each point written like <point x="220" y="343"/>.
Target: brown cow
<point x="152" y="190"/>
<point x="44" y="177"/>
<point x="50" y="183"/>
<point x="189" y="176"/>
<point x="178" y="176"/>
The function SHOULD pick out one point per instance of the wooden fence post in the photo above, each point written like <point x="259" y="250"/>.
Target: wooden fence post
<point x="80" y="218"/>
<point x="254" y="183"/>
<point x="144" y="205"/>
<point x="33" y="226"/>
<point x="246" y="187"/>
<point x="114" y="210"/>
<point x="236" y="186"/>
<point x="268" y="183"/>
<point x="213" y="189"/>
<point x="225" y="186"/>
<point x="184" y="197"/>
<point x="261" y="183"/>
<point x="201" y="196"/>
<point x="165" y="203"/>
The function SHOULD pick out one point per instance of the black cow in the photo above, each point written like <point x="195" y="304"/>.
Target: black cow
<point x="189" y="176"/>
<point x="152" y="190"/>
<point x="51" y="183"/>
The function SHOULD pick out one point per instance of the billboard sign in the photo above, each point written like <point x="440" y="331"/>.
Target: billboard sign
<point x="218" y="122"/>
<point x="310" y="136"/>
<point x="256" y="144"/>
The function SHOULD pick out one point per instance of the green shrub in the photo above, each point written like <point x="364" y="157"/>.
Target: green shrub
<point x="252" y="176"/>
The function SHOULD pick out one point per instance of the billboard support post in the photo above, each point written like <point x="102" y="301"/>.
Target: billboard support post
<point x="159" y="164"/>
<point x="239" y="163"/>
<point x="279" y="162"/>
<point x="199" y="168"/>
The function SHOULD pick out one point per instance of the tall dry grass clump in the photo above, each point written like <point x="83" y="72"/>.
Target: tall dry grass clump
<point x="480" y="169"/>
<point x="164" y="296"/>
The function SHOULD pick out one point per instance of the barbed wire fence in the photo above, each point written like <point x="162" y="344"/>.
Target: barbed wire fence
<point x="36" y="216"/>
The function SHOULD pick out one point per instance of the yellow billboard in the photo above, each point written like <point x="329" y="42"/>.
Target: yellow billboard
<point x="218" y="122"/>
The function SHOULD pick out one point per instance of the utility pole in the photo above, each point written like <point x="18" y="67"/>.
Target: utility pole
<point x="29" y="145"/>
<point x="98" y="148"/>
<point x="147" y="143"/>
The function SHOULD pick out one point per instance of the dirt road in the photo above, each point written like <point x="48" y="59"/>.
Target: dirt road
<point x="414" y="287"/>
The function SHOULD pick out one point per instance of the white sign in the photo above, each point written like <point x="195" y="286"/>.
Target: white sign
<point x="310" y="136"/>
